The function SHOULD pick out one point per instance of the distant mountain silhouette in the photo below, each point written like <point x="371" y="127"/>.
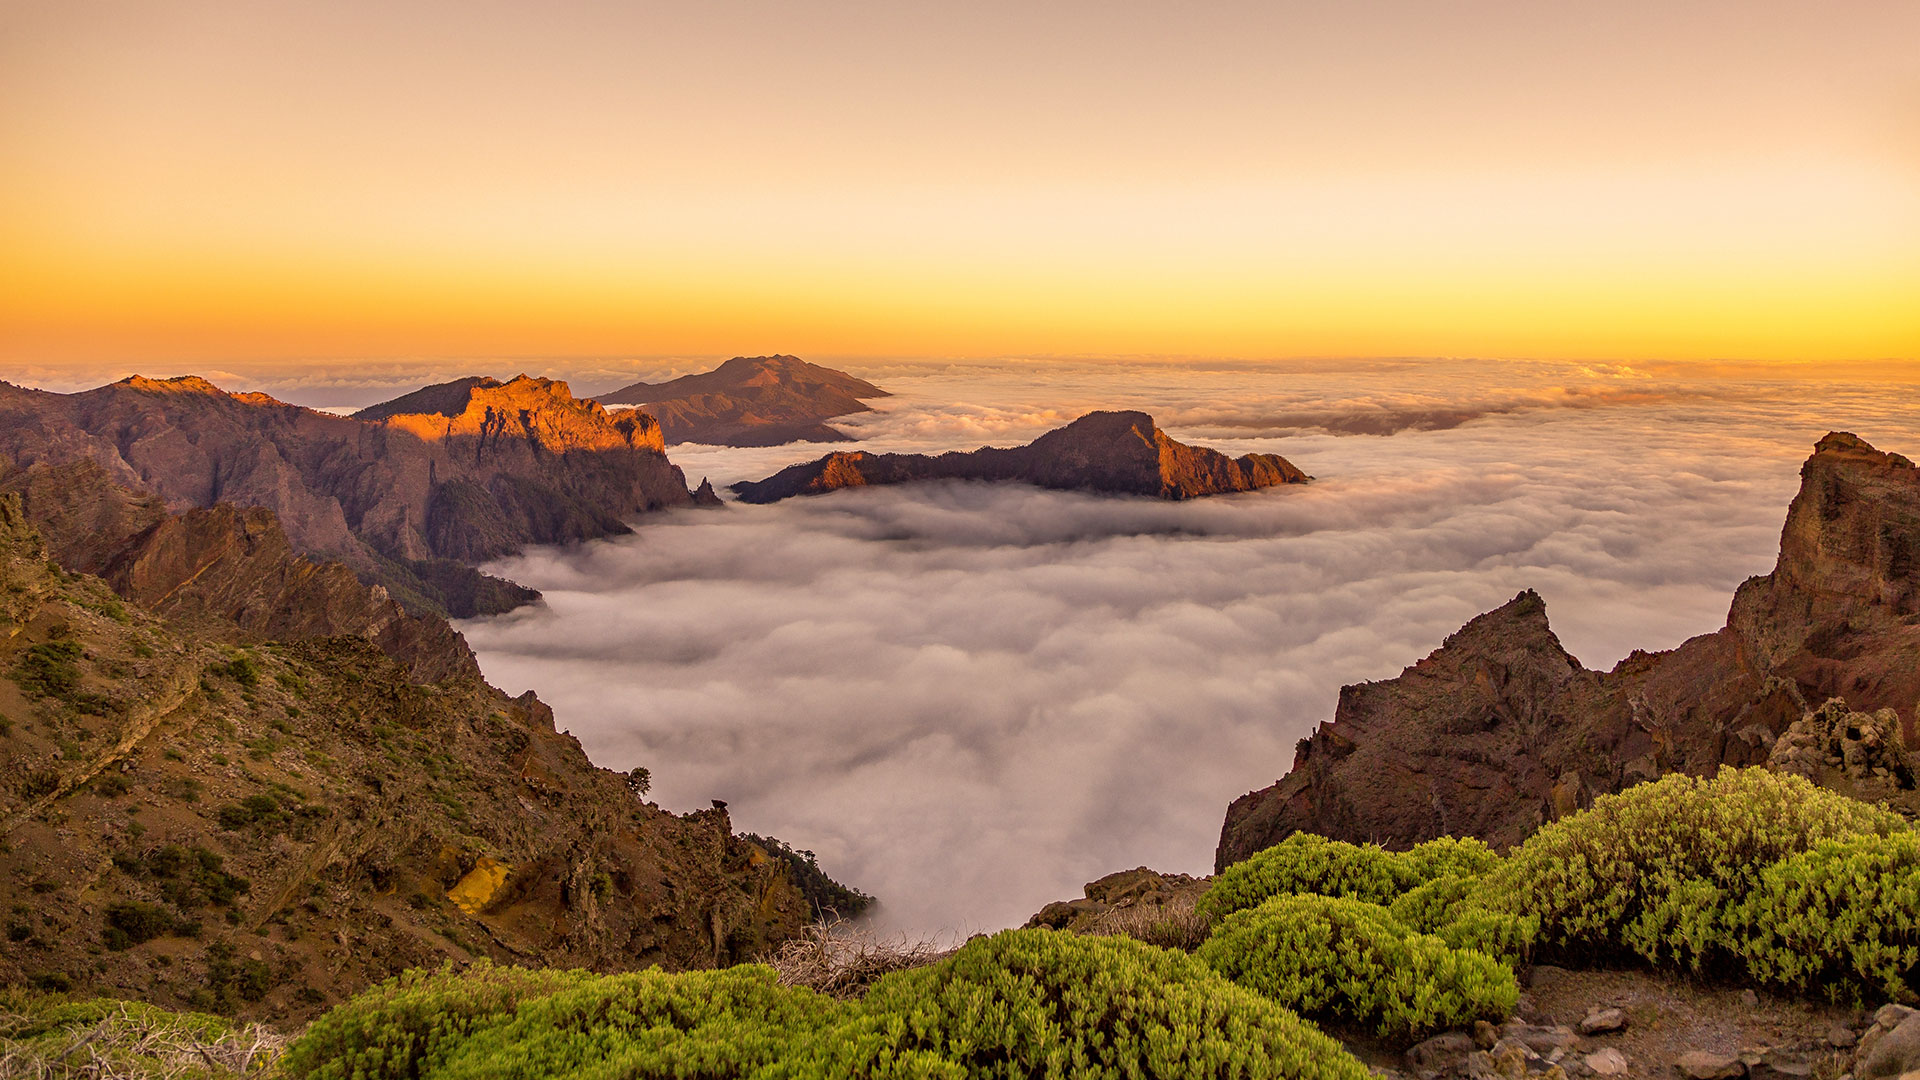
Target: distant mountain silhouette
<point x="1115" y="452"/>
<point x="751" y="401"/>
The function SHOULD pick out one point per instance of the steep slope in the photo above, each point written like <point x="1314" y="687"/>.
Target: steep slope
<point x="752" y="401"/>
<point x="224" y="573"/>
<point x="1116" y="452"/>
<point x="1500" y="729"/>
<point x="270" y="827"/>
<point x="405" y="498"/>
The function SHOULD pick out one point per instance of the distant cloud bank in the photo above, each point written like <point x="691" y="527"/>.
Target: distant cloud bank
<point x="971" y="700"/>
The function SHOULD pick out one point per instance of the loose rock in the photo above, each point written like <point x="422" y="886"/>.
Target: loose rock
<point x="1607" y="1062"/>
<point x="1702" y="1065"/>
<point x="1602" y="1021"/>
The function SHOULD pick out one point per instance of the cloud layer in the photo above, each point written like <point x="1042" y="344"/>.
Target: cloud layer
<point x="970" y="700"/>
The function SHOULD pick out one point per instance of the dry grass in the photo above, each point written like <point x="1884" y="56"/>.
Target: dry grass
<point x="132" y="1042"/>
<point x="842" y="959"/>
<point x="1172" y="925"/>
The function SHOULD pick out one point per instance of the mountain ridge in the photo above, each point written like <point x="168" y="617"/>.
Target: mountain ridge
<point x="1111" y="452"/>
<point x="407" y="499"/>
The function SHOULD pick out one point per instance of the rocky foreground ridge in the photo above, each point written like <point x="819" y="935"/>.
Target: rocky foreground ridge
<point x="752" y="401"/>
<point x="1500" y="729"/>
<point x="1122" y="453"/>
<point x="240" y="780"/>
<point x="407" y="494"/>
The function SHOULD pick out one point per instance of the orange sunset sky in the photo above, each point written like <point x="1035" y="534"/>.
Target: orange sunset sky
<point x="257" y="180"/>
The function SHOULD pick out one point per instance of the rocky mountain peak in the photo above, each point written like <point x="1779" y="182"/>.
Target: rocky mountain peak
<point x="1500" y="729"/>
<point x="1849" y="553"/>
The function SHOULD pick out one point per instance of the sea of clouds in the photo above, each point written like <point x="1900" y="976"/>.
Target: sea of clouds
<point x="970" y="700"/>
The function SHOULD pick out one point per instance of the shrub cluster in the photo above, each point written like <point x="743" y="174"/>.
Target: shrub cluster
<point x="1350" y="960"/>
<point x="1304" y="863"/>
<point x="133" y="923"/>
<point x="188" y="877"/>
<point x="1044" y="1003"/>
<point x="1659" y="871"/>
<point x="1023" y="1003"/>
<point x="406" y="1026"/>
<point x="1843" y="918"/>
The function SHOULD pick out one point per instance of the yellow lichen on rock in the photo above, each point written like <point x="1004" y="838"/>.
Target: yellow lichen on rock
<point x="477" y="889"/>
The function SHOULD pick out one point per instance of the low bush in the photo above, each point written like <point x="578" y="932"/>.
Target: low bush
<point x="1305" y="863"/>
<point x="49" y="669"/>
<point x="1655" y="870"/>
<point x="191" y="877"/>
<point x="709" y="1024"/>
<point x="135" y="923"/>
<point x="1449" y="908"/>
<point x="1343" y="959"/>
<point x="43" y="1036"/>
<point x="1843" y="918"/>
<point x="1049" y="1004"/>
<point x="408" y="1025"/>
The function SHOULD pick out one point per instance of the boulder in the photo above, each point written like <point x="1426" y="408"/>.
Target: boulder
<point x="1889" y="1053"/>
<point x="1440" y="1054"/>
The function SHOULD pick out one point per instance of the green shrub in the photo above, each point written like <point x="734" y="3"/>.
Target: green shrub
<point x="134" y="923"/>
<point x="1344" y="959"/>
<point x="1305" y="863"/>
<point x="1655" y="870"/>
<point x="1843" y="918"/>
<point x="1046" y="1004"/>
<point x="709" y="1024"/>
<point x="49" y="1036"/>
<point x="49" y="669"/>
<point x="240" y="669"/>
<point x="1449" y="908"/>
<point x="406" y="1026"/>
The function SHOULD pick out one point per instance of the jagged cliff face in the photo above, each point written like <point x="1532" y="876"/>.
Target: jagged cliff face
<point x="752" y="401"/>
<point x="1114" y="452"/>
<point x="271" y="827"/>
<point x="452" y="474"/>
<point x="1500" y="729"/>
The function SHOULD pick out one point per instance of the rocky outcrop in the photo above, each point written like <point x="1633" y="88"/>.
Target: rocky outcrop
<point x="1121" y="453"/>
<point x="406" y="494"/>
<point x="752" y="401"/>
<point x="226" y="573"/>
<point x="310" y="818"/>
<point x="1859" y="753"/>
<point x="1140" y="894"/>
<point x="1500" y="729"/>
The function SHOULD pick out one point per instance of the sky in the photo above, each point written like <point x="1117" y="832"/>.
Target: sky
<point x="193" y="182"/>
<point x="972" y="699"/>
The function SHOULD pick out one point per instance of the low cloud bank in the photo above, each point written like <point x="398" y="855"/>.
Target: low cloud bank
<point x="970" y="700"/>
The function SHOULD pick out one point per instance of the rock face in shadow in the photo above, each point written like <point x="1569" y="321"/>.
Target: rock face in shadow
<point x="1120" y="453"/>
<point x="312" y="818"/>
<point x="1500" y="730"/>
<point x="752" y="401"/>
<point x="406" y="494"/>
